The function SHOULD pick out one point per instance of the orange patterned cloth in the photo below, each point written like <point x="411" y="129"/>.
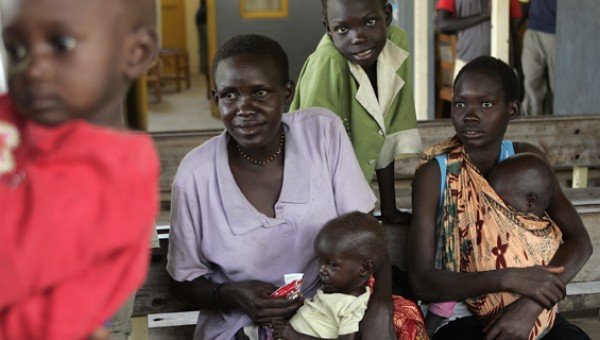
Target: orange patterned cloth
<point x="408" y="319"/>
<point x="480" y="233"/>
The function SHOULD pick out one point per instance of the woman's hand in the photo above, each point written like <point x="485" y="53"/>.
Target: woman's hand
<point x="514" y="321"/>
<point x="254" y="298"/>
<point x="539" y="283"/>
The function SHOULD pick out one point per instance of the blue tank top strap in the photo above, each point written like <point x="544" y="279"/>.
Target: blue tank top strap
<point x="506" y="150"/>
<point x="442" y="160"/>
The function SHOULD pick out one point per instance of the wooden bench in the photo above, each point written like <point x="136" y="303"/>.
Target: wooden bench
<point x="572" y="145"/>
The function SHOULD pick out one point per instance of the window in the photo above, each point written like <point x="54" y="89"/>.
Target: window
<point x="259" y="9"/>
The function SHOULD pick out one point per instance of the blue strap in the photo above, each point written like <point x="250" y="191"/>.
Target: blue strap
<point x="442" y="162"/>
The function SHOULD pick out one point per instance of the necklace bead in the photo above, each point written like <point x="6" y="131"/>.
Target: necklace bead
<point x="266" y="161"/>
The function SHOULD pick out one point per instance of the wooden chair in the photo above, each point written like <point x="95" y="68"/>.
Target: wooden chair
<point x="154" y="80"/>
<point x="177" y="64"/>
<point x="445" y="56"/>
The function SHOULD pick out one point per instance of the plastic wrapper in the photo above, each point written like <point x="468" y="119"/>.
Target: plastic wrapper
<point x="292" y="287"/>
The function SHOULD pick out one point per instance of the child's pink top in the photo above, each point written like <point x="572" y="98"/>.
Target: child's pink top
<point x="77" y="207"/>
<point x="443" y="309"/>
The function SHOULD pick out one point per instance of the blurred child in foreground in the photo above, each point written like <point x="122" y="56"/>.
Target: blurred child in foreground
<point x="78" y="193"/>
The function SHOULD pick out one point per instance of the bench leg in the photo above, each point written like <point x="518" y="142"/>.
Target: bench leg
<point x="580" y="177"/>
<point x="186" y="70"/>
<point x="177" y="74"/>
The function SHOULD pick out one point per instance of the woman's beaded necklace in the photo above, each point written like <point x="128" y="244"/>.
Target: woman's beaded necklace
<point x="268" y="160"/>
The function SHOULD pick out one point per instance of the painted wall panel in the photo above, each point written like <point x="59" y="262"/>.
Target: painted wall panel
<point x="577" y="57"/>
<point x="298" y="34"/>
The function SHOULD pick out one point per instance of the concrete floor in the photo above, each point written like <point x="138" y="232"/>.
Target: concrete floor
<point x="189" y="109"/>
<point x="141" y="331"/>
<point x="591" y="325"/>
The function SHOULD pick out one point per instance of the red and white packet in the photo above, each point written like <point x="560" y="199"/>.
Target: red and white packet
<point x="291" y="289"/>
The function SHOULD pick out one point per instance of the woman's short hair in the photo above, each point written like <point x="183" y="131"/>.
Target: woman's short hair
<point x="498" y="69"/>
<point x="257" y="45"/>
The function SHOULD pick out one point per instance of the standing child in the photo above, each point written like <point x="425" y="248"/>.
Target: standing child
<point x="361" y="71"/>
<point x="470" y="20"/>
<point x="349" y="248"/>
<point x="538" y="56"/>
<point x="78" y="194"/>
<point x="525" y="183"/>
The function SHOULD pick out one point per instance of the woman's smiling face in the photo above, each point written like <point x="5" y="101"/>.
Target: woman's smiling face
<point x="251" y="97"/>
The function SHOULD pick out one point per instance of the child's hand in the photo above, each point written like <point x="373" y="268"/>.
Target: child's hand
<point x="101" y="333"/>
<point x="283" y="330"/>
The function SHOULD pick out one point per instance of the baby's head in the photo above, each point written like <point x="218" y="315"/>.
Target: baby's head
<point x="524" y="181"/>
<point x="74" y="59"/>
<point x="350" y="248"/>
<point x="358" y="28"/>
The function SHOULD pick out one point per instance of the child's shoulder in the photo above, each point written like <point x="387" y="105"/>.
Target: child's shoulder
<point x="396" y="32"/>
<point x="118" y="151"/>
<point x="317" y="116"/>
<point x="398" y="36"/>
<point x="327" y="50"/>
<point x="123" y="142"/>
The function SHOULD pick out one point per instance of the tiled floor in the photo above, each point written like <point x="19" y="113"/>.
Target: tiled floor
<point x="186" y="110"/>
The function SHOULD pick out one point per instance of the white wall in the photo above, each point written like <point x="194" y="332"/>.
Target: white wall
<point x="577" y="65"/>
